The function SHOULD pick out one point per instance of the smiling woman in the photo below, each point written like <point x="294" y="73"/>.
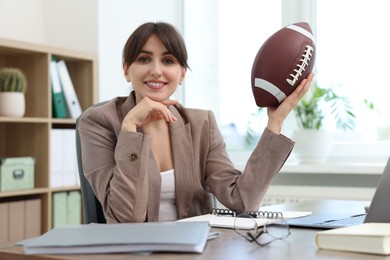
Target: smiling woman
<point x="155" y="72"/>
<point x="149" y="158"/>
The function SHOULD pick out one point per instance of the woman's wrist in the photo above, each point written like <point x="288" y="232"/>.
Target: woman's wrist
<point x="129" y="127"/>
<point x="274" y="126"/>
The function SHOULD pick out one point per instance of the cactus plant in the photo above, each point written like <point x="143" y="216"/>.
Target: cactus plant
<point x="12" y="80"/>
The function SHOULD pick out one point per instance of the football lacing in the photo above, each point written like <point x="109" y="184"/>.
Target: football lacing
<point x="304" y="62"/>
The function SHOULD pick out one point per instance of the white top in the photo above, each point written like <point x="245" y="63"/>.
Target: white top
<point x="168" y="211"/>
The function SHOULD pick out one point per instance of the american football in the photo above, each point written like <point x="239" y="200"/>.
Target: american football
<point x="282" y="62"/>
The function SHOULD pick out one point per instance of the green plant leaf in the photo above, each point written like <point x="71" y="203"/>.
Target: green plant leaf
<point x="312" y="109"/>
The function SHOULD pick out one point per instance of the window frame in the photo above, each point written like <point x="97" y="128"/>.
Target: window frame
<point x="343" y="152"/>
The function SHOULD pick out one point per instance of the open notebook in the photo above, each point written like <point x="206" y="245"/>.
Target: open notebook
<point x="377" y="212"/>
<point x="227" y="220"/>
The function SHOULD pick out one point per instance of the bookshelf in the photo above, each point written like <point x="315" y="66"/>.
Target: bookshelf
<point x="30" y="135"/>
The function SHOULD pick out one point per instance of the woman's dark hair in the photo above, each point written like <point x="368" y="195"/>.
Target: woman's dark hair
<point x="169" y="36"/>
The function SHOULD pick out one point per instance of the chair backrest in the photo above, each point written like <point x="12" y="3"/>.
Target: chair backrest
<point x="93" y="211"/>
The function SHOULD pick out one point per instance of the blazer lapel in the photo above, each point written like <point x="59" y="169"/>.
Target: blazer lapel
<point x="127" y="105"/>
<point x="182" y="151"/>
<point x="183" y="162"/>
<point x="154" y="177"/>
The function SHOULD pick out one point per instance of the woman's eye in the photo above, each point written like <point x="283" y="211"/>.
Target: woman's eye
<point x="144" y="59"/>
<point x="168" y="61"/>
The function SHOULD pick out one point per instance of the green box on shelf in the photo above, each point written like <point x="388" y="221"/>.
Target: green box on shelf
<point x="17" y="173"/>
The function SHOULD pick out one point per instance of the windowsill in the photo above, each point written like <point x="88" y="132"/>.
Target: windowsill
<point x="332" y="166"/>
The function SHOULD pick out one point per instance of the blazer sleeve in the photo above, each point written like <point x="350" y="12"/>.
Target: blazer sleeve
<point x="117" y="173"/>
<point x="243" y="191"/>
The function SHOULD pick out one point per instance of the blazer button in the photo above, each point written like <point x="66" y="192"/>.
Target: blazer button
<point x="133" y="157"/>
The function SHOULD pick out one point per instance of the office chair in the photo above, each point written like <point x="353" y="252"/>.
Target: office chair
<point x="93" y="211"/>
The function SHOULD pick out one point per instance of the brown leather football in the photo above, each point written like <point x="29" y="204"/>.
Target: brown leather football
<point x="282" y="62"/>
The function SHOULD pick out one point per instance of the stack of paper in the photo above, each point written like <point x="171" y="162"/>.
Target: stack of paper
<point x="121" y="238"/>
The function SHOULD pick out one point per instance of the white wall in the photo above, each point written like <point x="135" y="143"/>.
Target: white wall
<point x="298" y="11"/>
<point x="69" y="24"/>
<point x="117" y="20"/>
<point x="94" y="26"/>
<point x="200" y="32"/>
<point x="26" y="24"/>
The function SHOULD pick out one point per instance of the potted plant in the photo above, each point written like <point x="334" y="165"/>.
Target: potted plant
<point x="311" y="109"/>
<point x="313" y="142"/>
<point x="13" y="86"/>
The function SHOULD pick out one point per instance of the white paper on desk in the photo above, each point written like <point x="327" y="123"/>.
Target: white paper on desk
<point x="242" y="223"/>
<point x="225" y="221"/>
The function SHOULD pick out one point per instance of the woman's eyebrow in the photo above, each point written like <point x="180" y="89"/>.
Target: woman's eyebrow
<point x="146" y="52"/>
<point x="150" y="53"/>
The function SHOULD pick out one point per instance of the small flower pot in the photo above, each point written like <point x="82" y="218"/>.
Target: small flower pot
<point x="312" y="146"/>
<point x="12" y="104"/>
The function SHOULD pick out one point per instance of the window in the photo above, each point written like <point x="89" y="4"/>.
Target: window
<point x="352" y="56"/>
<point x="243" y="27"/>
<point x="222" y="43"/>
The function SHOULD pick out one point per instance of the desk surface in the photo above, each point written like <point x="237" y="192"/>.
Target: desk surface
<point x="300" y="244"/>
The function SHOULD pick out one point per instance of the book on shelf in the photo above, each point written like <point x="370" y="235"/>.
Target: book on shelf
<point x="121" y="238"/>
<point x="66" y="208"/>
<point x="71" y="99"/>
<point x="19" y="220"/>
<point x="63" y="158"/>
<point x="73" y="211"/>
<point x="59" y="208"/>
<point x="59" y="106"/>
<point x="372" y="238"/>
<point x="225" y="218"/>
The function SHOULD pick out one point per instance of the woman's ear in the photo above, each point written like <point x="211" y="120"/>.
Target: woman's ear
<point x="125" y="67"/>
<point x="182" y="76"/>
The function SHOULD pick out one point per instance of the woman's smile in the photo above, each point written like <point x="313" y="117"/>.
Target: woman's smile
<point x="155" y="84"/>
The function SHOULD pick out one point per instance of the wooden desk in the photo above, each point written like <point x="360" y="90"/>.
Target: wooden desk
<point x="300" y="245"/>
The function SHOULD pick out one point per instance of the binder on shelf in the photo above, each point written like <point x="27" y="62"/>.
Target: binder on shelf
<point x="69" y="160"/>
<point x="63" y="158"/>
<point x="73" y="211"/>
<point x="4" y="222"/>
<point x="66" y="208"/>
<point x="71" y="99"/>
<point x="60" y="200"/>
<point x="16" y="221"/>
<point x="56" y="157"/>
<point x="20" y="220"/>
<point x="32" y="218"/>
<point x="59" y="106"/>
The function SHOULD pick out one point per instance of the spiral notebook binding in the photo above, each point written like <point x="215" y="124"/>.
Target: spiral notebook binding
<point x="223" y="212"/>
<point x="254" y="214"/>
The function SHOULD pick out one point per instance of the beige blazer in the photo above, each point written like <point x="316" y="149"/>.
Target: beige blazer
<point x="125" y="178"/>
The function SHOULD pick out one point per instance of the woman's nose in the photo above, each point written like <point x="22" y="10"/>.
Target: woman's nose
<point x="156" y="69"/>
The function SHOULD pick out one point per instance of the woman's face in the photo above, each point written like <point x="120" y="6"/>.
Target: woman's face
<point x="155" y="73"/>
